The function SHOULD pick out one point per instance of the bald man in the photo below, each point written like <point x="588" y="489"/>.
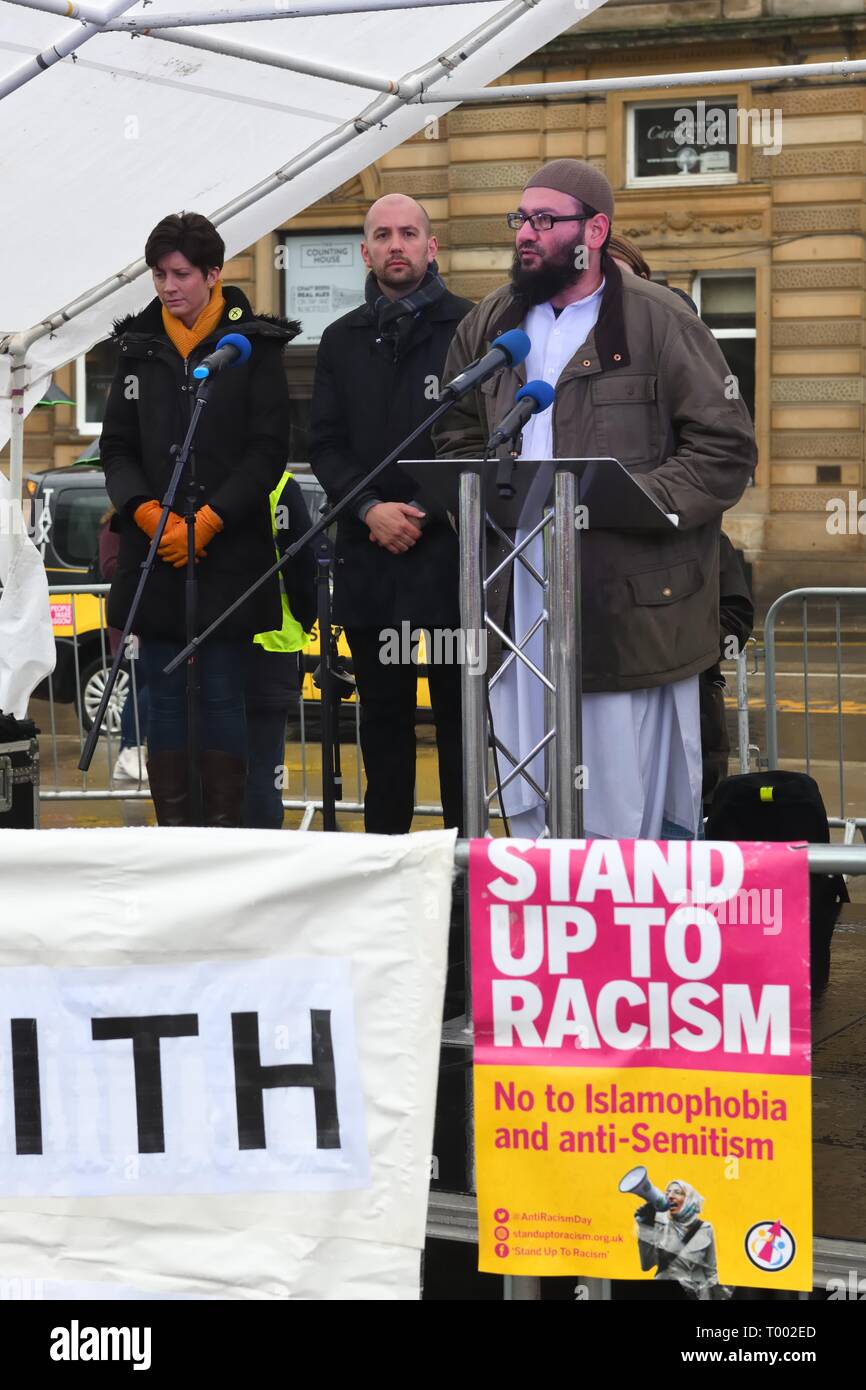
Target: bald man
<point x="378" y="372"/>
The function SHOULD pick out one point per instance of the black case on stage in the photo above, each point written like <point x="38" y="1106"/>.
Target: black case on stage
<point x="19" y="774"/>
<point x="781" y="805"/>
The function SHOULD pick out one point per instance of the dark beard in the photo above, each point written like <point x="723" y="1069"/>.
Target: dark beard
<point x="550" y="279"/>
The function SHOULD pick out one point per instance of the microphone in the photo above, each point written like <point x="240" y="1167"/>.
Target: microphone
<point x="530" y="399"/>
<point x="507" y="350"/>
<point x="230" y="351"/>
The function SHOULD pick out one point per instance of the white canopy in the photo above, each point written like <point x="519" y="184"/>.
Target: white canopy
<point x="102" y="142"/>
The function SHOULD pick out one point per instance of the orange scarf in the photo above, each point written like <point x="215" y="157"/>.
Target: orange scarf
<point x="185" y="339"/>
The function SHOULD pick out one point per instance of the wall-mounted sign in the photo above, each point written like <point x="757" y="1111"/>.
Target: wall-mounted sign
<point x="324" y="279"/>
<point x="683" y="140"/>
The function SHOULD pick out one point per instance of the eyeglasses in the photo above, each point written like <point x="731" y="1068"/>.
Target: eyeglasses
<point x="540" y="221"/>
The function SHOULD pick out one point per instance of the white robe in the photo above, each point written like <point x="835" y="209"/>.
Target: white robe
<point x="641" y="748"/>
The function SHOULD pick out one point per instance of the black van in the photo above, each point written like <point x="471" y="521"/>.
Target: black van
<point x="66" y="508"/>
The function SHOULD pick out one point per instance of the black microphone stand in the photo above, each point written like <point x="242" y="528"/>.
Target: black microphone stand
<point x="326" y="519"/>
<point x="329" y="731"/>
<point x="505" y="470"/>
<point x="190" y="593"/>
<point x="184" y="455"/>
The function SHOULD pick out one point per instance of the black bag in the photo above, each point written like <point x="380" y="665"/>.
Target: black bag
<point x="19" y="774"/>
<point x="791" y="808"/>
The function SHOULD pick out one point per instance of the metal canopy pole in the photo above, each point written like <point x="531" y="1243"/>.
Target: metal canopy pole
<point x="70" y="43"/>
<point x="566" y="809"/>
<point x="474" y="717"/>
<point x="371" y="116"/>
<point x="574" y="91"/>
<point x="18" y="382"/>
<point x="278" y="9"/>
<point x="247" y="53"/>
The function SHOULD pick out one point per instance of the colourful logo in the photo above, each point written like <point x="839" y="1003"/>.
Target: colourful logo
<point x="770" y="1246"/>
<point x="236" y="313"/>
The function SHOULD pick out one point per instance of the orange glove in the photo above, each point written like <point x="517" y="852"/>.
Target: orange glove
<point x="174" y="532"/>
<point x="146" y="515"/>
<point x="174" y="549"/>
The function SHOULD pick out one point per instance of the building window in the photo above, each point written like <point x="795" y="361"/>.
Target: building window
<point x="681" y="142"/>
<point x="94" y="372"/>
<point x="77" y="514"/>
<point x="726" y="303"/>
<point x="323" y="278"/>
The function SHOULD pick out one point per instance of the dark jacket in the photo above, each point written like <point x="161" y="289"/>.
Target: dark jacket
<point x="364" y="403"/>
<point x="240" y="451"/>
<point x="736" y="619"/>
<point x="273" y="677"/>
<point x="106" y="566"/>
<point x="651" y="388"/>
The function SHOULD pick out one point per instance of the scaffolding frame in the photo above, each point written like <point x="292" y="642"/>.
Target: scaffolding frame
<point x="394" y="94"/>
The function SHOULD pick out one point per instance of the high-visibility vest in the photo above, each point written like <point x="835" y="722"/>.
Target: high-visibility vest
<point x="290" y="636"/>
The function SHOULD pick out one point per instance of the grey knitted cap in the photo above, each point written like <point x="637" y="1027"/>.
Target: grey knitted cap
<point x="579" y="179"/>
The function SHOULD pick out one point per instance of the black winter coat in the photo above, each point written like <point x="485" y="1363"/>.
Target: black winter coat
<point x="241" y="447"/>
<point x="736" y="619"/>
<point x="364" y="403"/>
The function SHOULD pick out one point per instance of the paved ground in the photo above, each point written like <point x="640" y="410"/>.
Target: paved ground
<point x="833" y="749"/>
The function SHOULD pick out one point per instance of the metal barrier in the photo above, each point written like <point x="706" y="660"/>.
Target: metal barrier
<point x="89" y="638"/>
<point x="835" y="598"/>
<point x="78" y="680"/>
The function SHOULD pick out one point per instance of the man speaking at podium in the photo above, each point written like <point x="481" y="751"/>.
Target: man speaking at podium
<point x="378" y="374"/>
<point x="639" y="378"/>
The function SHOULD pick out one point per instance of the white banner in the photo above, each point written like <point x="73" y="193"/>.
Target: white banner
<point x="218" y="1061"/>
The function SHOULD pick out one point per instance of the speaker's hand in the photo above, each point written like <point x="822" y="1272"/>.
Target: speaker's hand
<point x="392" y="525"/>
<point x="645" y="1215"/>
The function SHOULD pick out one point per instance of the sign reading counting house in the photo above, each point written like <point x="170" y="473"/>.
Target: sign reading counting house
<point x="642" y="1088"/>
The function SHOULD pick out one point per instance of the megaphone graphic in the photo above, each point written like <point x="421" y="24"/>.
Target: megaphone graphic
<point x="637" y="1182"/>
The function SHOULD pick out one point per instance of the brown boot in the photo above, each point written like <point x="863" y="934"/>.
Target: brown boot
<point x="223" y="783"/>
<point x="169" y="788"/>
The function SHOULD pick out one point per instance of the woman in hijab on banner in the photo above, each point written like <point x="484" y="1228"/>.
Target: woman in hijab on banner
<point x="680" y="1243"/>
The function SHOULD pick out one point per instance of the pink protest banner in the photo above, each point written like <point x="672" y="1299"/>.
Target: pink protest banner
<point x="641" y="1005"/>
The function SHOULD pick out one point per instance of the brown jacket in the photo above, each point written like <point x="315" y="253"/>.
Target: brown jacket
<point x="651" y="388"/>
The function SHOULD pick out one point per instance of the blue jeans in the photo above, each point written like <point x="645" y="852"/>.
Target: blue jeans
<point x="127" y="718"/>
<point x="672" y="831"/>
<point x="222" y="674"/>
<point x="263" y="801"/>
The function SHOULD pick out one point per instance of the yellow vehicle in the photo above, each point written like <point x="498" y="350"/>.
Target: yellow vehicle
<point x="67" y="505"/>
<point x="314" y="496"/>
<point x="310" y="686"/>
